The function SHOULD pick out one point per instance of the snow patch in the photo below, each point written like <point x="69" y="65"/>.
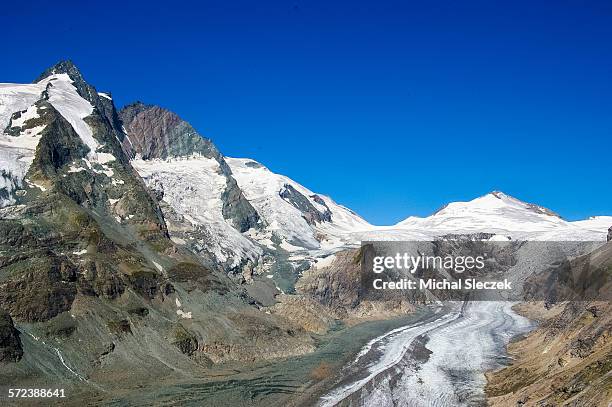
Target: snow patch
<point x="184" y="315"/>
<point x="193" y="187"/>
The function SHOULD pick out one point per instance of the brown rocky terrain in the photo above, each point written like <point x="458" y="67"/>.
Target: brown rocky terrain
<point x="568" y="360"/>
<point x="338" y="287"/>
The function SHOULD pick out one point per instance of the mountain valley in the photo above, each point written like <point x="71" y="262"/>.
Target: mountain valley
<point x="136" y="257"/>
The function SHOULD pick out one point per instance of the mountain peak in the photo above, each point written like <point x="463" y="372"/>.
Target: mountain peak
<point x="499" y="194"/>
<point x="156" y="132"/>
<point x="65" y="66"/>
<point x="529" y="206"/>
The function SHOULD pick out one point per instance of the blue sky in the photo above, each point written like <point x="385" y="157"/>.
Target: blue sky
<point x="392" y="108"/>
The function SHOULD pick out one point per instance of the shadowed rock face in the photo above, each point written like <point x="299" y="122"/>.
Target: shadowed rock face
<point x="10" y="344"/>
<point x="155" y="132"/>
<point x="610" y="234"/>
<point x="300" y="202"/>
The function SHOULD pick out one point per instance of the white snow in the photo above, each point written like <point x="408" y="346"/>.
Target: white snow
<point x="193" y="187"/>
<point x="325" y="262"/>
<point x="15" y="98"/>
<point x="178" y="240"/>
<point x="17" y="153"/>
<point x="64" y="98"/>
<point x="262" y="188"/>
<point x="104" y="158"/>
<point x="105" y="95"/>
<point x="184" y="315"/>
<point x="496" y="212"/>
<point x="157" y="265"/>
<point x="72" y="168"/>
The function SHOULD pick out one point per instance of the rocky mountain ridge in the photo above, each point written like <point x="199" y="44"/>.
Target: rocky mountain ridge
<point x="119" y="229"/>
<point x="86" y="257"/>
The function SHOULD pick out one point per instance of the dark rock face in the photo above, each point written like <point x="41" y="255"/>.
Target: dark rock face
<point x="155" y="132"/>
<point x="38" y="284"/>
<point x="10" y="344"/>
<point x="41" y="293"/>
<point x="92" y="187"/>
<point x="300" y="202"/>
<point x="326" y="214"/>
<point x="237" y="208"/>
<point x="337" y="287"/>
<point x="59" y="144"/>
<point x="184" y="340"/>
<point x="610" y="234"/>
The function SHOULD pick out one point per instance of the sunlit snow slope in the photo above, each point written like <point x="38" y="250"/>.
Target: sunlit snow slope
<point x="296" y="215"/>
<point x="17" y="150"/>
<point x="495" y="213"/>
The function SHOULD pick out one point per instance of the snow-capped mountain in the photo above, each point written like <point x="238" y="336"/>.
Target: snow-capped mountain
<point x="233" y="209"/>
<point x="292" y="212"/>
<point x="495" y="213"/>
<point x="61" y="136"/>
<point x="20" y="115"/>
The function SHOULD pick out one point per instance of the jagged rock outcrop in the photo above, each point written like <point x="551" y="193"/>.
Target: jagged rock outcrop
<point x="155" y="132"/>
<point x="609" y="238"/>
<point x="184" y="340"/>
<point x="300" y="202"/>
<point x="104" y="108"/>
<point x="10" y="344"/>
<point x="338" y="287"/>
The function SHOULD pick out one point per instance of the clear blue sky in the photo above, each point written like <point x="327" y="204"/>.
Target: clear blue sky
<point x="392" y="108"/>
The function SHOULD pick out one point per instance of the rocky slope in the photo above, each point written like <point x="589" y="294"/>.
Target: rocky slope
<point x="131" y="249"/>
<point x="91" y="285"/>
<point x="568" y="360"/>
<point x="208" y="209"/>
<point x="10" y="343"/>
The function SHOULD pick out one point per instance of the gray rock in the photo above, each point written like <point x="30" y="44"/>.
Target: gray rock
<point x="300" y="202"/>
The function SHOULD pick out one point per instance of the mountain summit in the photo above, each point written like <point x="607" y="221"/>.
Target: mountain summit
<point x="155" y="132"/>
<point x="129" y="243"/>
<point x="62" y="67"/>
